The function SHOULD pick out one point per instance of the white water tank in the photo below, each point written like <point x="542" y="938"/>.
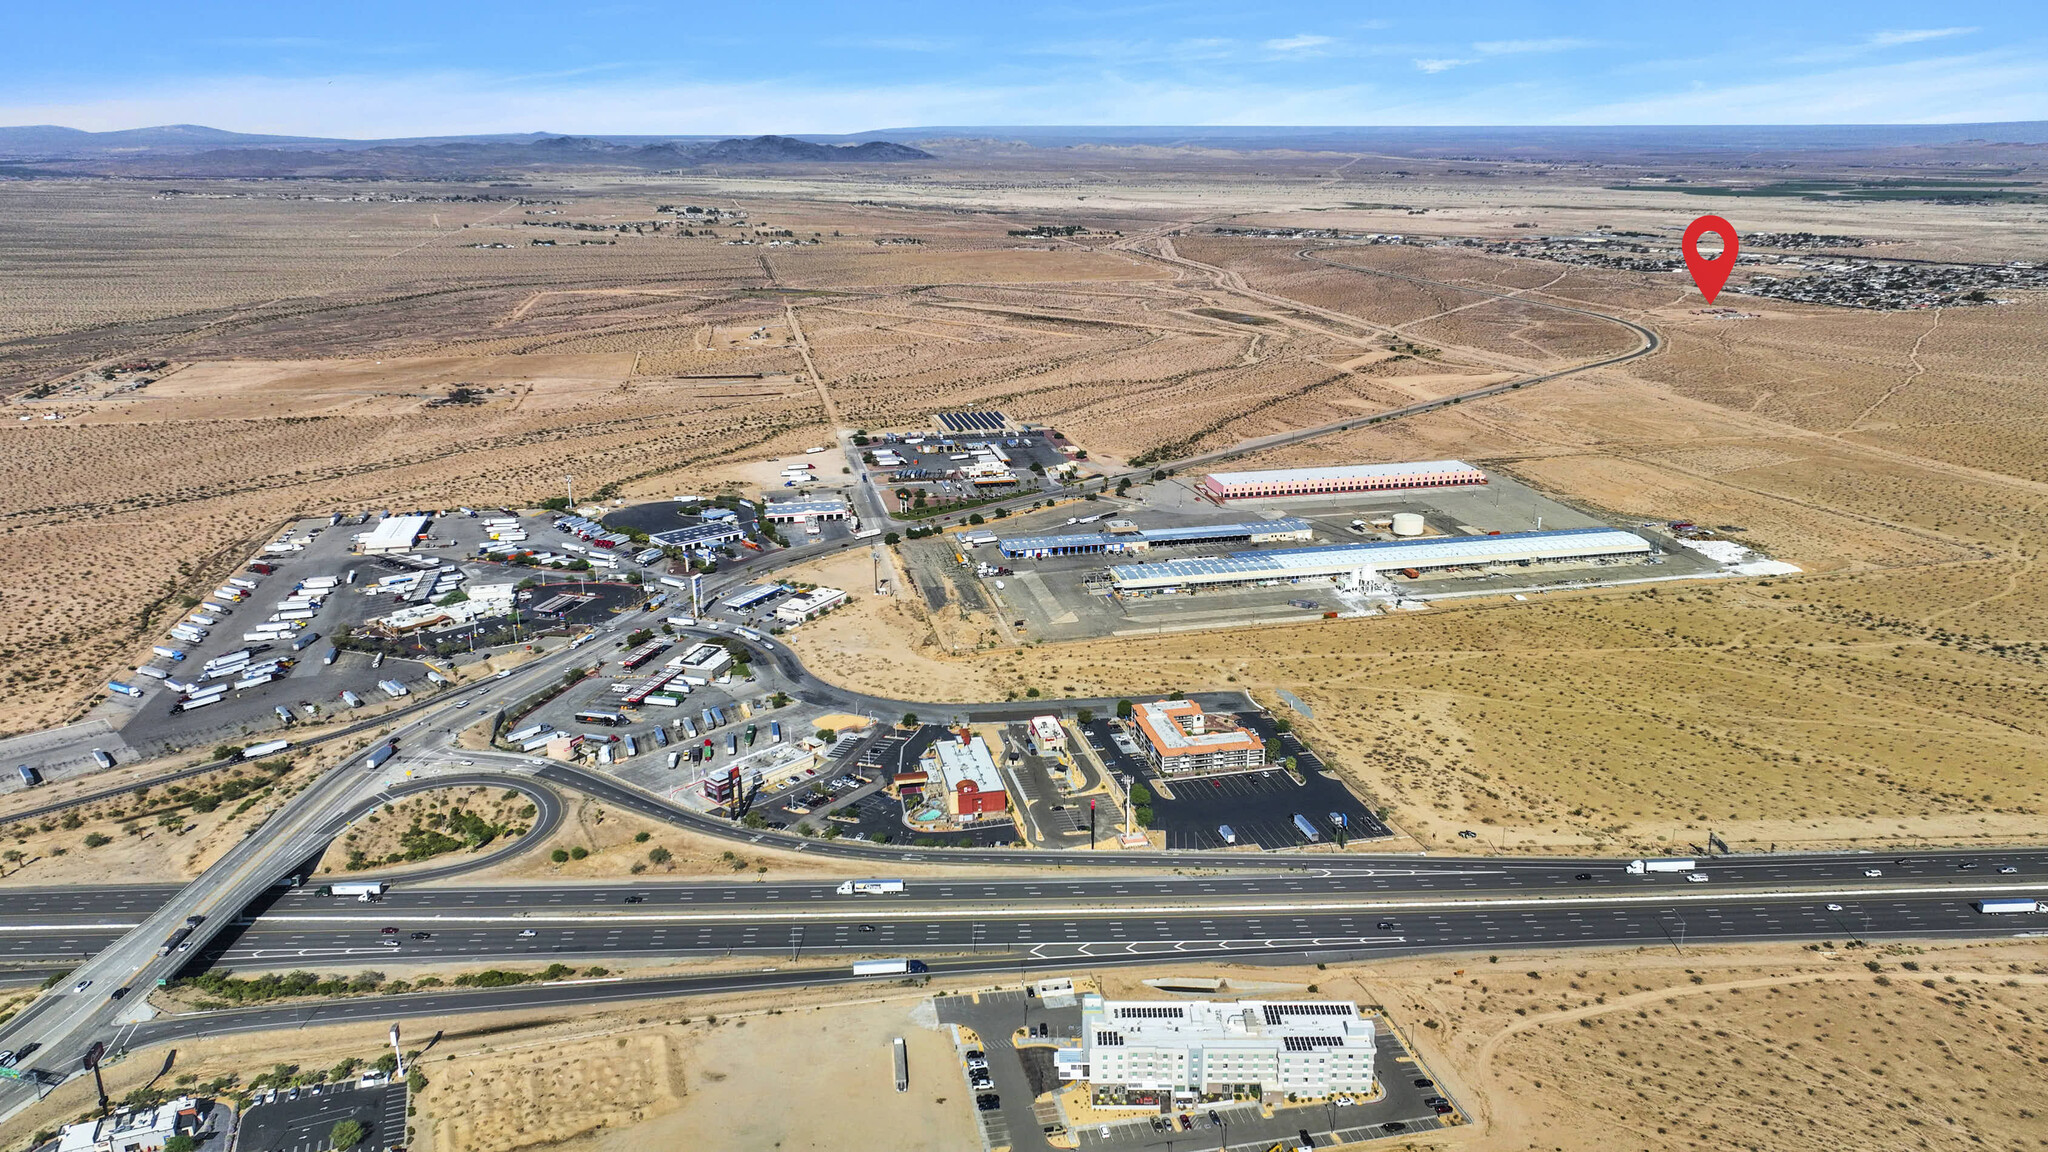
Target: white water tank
<point x="1407" y="524"/>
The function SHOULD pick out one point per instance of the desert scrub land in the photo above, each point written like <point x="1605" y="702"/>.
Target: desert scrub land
<point x="1777" y="1048"/>
<point x="428" y="825"/>
<point x="173" y="831"/>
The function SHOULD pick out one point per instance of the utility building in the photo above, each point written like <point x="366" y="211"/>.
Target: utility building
<point x="1194" y="1049"/>
<point x="1182" y="740"/>
<point x="1280" y="483"/>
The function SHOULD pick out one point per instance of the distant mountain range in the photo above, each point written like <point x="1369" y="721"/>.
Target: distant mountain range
<point x="193" y="150"/>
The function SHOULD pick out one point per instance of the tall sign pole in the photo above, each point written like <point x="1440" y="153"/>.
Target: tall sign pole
<point x="396" y="1052"/>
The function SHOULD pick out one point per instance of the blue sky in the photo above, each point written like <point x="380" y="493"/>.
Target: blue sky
<point x="374" y="68"/>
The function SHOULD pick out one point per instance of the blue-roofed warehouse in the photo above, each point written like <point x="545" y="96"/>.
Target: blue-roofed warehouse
<point x="1286" y="565"/>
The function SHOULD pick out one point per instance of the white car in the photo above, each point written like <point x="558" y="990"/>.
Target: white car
<point x="1697" y="877"/>
<point x="527" y="932"/>
<point x="81" y="986"/>
<point x="1873" y="871"/>
<point x="2008" y="870"/>
<point x="502" y="675"/>
<point x="1834" y="907"/>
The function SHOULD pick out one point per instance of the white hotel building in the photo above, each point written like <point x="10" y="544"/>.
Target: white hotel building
<point x="1258" y="1048"/>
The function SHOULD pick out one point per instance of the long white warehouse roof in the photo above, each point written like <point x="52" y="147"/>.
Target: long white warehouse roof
<point x="1295" y="563"/>
<point x="395" y="533"/>
<point x="1342" y="472"/>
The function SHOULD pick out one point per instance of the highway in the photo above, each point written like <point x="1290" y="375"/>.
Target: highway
<point x="1000" y="946"/>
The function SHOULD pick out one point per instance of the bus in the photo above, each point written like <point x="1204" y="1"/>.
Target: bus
<point x="608" y="719"/>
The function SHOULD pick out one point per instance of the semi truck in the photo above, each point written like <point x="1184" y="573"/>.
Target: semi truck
<point x="1664" y="864"/>
<point x="1990" y="906"/>
<point x="385" y="751"/>
<point x="871" y="888"/>
<point x="173" y="941"/>
<point x="1307" y="828"/>
<point x="123" y="689"/>
<point x="528" y="733"/>
<point x="257" y="751"/>
<point x="889" y="967"/>
<point x="366" y="891"/>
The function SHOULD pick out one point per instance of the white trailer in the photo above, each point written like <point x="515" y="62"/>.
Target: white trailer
<point x="254" y="681"/>
<point x="351" y="699"/>
<point x="294" y="614"/>
<point x="393" y="688"/>
<point x="888" y="967"/>
<point x="1665" y="864"/>
<point x="366" y="891"/>
<point x="871" y="888"/>
<point x="258" y="751"/>
<point x="1990" y="906"/>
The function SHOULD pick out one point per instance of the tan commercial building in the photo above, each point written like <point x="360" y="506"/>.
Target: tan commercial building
<point x="1182" y="740"/>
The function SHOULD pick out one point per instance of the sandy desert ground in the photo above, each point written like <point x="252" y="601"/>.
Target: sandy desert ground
<point x="1896" y="692"/>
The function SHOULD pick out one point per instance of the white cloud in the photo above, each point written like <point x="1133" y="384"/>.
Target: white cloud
<point x="1981" y="87"/>
<point x="1915" y="36"/>
<point x="1516" y="47"/>
<point x="1439" y="64"/>
<point x="1301" y="43"/>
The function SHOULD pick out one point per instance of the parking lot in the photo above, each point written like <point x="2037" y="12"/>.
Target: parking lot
<point x="303" y="1124"/>
<point x="1020" y="1076"/>
<point x="1259" y="807"/>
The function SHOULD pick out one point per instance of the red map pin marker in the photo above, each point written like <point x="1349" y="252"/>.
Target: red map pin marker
<point x="1710" y="274"/>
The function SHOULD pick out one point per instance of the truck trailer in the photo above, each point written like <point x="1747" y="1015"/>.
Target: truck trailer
<point x="1990" y="906"/>
<point x="385" y="751"/>
<point x="365" y="891"/>
<point x="889" y="967"/>
<point x="258" y="751"/>
<point x="871" y="888"/>
<point x="1664" y="864"/>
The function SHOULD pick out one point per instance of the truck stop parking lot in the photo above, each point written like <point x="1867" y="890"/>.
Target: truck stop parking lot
<point x="303" y="1125"/>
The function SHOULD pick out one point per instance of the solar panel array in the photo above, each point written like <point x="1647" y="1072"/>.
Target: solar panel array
<point x="1277" y="1013"/>
<point x="1109" y="1039"/>
<point x="973" y="421"/>
<point x="1311" y="1043"/>
<point x="1151" y="1012"/>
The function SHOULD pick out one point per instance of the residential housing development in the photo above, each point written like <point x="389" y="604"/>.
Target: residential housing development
<point x="1283" y="482"/>
<point x="1268" y="1049"/>
<point x="1182" y="740"/>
